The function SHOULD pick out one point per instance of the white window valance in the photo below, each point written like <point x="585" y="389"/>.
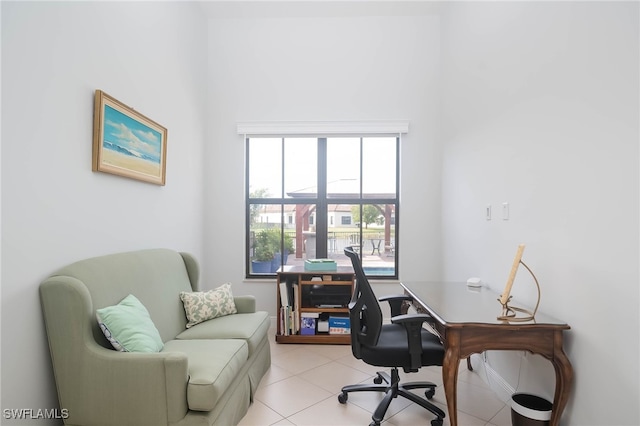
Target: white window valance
<point x="322" y="128"/>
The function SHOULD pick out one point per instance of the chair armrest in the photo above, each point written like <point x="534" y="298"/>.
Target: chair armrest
<point x="413" y="324"/>
<point x="395" y="302"/>
<point x="409" y="319"/>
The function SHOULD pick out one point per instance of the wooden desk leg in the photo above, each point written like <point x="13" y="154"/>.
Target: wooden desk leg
<point x="450" y="367"/>
<point x="564" y="379"/>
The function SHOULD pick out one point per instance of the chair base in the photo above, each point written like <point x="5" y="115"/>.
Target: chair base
<point x="392" y="389"/>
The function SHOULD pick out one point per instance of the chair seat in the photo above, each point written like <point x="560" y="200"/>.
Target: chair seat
<point x="388" y="351"/>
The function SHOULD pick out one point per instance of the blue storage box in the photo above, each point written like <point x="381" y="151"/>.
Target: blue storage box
<point x="339" y="325"/>
<point x="307" y="326"/>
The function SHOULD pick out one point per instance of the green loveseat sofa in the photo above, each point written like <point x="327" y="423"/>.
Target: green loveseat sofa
<point x="204" y="375"/>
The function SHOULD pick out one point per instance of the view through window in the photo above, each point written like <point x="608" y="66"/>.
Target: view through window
<point x="309" y="198"/>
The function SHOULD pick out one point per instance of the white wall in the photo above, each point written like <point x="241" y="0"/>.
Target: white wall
<point x="322" y="62"/>
<point x="55" y="210"/>
<point x="540" y="109"/>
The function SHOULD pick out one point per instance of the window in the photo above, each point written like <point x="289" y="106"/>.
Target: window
<point x="334" y="191"/>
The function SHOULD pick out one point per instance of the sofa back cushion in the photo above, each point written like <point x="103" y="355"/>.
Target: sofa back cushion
<point x="155" y="276"/>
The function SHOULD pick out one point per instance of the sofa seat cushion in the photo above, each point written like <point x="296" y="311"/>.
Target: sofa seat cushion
<point x="251" y="327"/>
<point x="213" y="365"/>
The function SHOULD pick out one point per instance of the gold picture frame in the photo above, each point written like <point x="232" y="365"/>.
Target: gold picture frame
<point x="126" y="143"/>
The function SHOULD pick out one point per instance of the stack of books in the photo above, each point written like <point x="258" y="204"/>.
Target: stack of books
<point x="289" y="322"/>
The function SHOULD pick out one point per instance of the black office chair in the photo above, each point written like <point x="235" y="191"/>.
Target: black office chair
<point x="402" y="344"/>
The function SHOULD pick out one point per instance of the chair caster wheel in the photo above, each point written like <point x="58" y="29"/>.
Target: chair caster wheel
<point x="430" y="393"/>
<point x="377" y="380"/>
<point x="437" y="422"/>
<point x="342" y="398"/>
<point x="374" y="424"/>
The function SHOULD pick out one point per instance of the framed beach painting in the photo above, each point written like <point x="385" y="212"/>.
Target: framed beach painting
<point x="126" y="143"/>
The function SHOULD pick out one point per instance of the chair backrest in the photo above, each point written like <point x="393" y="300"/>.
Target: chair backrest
<point x="365" y="314"/>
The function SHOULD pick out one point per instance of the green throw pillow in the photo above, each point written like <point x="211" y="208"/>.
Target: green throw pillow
<point x="205" y="305"/>
<point x="128" y="326"/>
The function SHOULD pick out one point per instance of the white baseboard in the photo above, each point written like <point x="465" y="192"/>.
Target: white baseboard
<point x="497" y="383"/>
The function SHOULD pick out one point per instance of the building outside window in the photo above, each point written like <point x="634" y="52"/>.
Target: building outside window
<point x="333" y="191"/>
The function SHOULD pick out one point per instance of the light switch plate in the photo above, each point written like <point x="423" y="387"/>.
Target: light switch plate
<point x="505" y="211"/>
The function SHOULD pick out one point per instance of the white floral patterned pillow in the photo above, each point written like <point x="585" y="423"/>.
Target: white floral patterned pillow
<point x="205" y="305"/>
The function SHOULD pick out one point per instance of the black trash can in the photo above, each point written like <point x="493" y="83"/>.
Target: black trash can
<point x="530" y="410"/>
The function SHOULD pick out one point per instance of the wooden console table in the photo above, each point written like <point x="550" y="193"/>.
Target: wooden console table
<point x="466" y="321"/>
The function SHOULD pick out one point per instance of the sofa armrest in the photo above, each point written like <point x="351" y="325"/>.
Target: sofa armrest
<point x="96" y="382"/>
<point x="245" y="304"/>
<point x="129" y="388"/>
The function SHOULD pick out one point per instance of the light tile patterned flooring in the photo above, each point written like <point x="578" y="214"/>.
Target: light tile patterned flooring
<point x="304" y="381"/>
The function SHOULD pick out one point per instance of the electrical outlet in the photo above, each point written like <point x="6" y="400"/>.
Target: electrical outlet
<point x="488" y="212"/>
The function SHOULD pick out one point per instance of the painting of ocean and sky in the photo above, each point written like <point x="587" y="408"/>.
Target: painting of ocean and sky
<point x="126" y="143"/>
<point x="129" y="137"/>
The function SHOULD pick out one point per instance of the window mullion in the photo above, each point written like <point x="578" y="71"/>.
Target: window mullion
<point x="360" y="178"/>
<point x="282" y="186"/>
<point x="321" y="209"/>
